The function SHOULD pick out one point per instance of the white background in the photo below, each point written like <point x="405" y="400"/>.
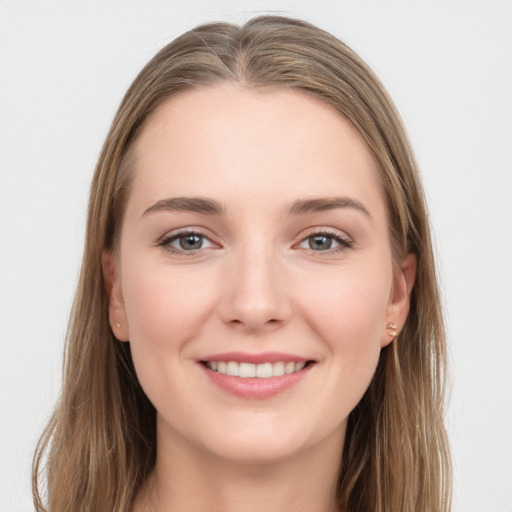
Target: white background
<point x="64" y="67"/>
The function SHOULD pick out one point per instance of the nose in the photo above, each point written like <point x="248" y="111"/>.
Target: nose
<point x="255" y="296"/>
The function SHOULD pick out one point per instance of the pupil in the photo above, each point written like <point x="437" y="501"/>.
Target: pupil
<point x="189" y="242"/>
<point x="320" y="242"/>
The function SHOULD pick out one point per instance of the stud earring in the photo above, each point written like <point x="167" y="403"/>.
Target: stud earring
<point x="118" y="326"/>
<point x="392" y="329"/>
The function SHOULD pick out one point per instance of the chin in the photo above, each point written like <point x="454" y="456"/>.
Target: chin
<point x="255" y="454"/>
<point x="263" y="443"/>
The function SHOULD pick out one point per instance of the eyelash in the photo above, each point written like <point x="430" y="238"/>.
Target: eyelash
<point x="344" y="243"/>
<point x="166" y="242"/>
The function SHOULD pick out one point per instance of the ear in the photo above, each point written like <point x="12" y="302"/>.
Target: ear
<point x="116" y="310"/>
<point x="400" y="299"/>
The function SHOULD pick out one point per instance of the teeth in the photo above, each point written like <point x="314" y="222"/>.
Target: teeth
<point x="248" y="370"/>
<point x="264" y="371"/>
<point x="278" y="369"/>
<point x="232" y="369"/>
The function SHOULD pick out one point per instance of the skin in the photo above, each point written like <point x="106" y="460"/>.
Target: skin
<point x="256" y="285"/>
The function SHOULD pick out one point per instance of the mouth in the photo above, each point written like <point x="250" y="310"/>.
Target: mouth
<point x="256" y="376"/>
<point x="247" y="370"/>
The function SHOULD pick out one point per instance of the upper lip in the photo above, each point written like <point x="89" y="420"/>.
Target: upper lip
<point x="256" y="358"/>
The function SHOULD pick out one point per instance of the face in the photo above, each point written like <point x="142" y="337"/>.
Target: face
<point x="255" y="278"/>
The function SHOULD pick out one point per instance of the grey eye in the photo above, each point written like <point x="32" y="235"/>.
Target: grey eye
<point x="190" y="242"/>
<point x="325" y="242"/>
<point x="186" y="242"/>
<point x="320" y="242"/>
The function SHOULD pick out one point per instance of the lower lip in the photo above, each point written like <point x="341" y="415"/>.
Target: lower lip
<point x="255" y="388"/>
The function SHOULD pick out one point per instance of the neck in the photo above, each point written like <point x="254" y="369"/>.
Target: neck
<point x="187" y="479"/>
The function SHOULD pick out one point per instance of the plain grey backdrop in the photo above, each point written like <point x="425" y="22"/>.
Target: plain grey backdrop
<point x="64" y="67"/>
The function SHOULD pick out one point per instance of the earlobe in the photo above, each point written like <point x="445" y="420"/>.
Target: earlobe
<point x="117" y="314"/>
<point x="400" y="300"/>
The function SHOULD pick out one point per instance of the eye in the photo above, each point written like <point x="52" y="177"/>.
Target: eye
<point x="320" y="242"/>
<point x="325" y="242"/>
<point x="189" y="242"/>
<point x="186" y="241"/>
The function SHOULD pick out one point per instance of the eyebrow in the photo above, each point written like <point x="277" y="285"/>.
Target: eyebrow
<point x="187" y="204"/>
<point x="321" y="204"/>
<point x="211" y="207"/>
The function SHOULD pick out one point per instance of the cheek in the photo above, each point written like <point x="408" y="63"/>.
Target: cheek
<point x="348" y="313"/>
<point x="163" y="304"/>
<point x="165" y="310"/>
<point x="351" y="302"/>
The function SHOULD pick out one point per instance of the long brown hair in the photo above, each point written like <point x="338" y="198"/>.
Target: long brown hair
<point x="100" y="444"/>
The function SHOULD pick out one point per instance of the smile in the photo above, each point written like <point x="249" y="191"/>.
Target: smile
<point x="255" y="376"/>
<point x="249" y="370"/>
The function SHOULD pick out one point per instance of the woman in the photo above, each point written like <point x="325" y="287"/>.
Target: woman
<point x="257" y="323"/>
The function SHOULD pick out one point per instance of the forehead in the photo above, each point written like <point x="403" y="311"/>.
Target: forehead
<point x="231" y="142"/>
